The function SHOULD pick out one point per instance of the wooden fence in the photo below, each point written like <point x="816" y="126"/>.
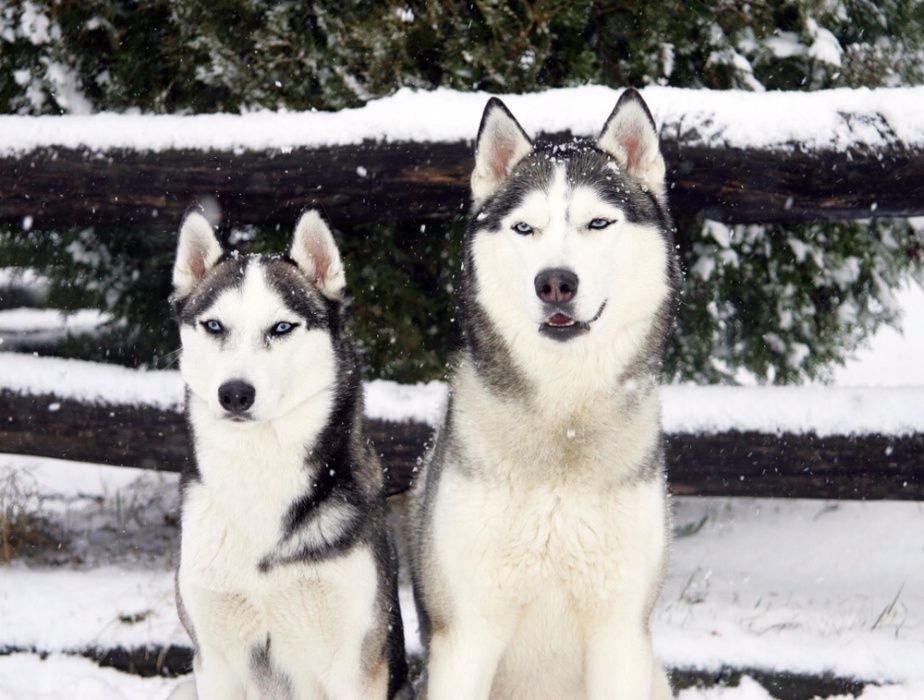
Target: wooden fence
<point x="732" y="463"/>
<point x="376" y="180"/>
<point x="135" y="186"/>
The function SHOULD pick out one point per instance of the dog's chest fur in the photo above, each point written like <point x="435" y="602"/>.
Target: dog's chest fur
<point x="233" y="516"/>
<point x="551" y="507"/>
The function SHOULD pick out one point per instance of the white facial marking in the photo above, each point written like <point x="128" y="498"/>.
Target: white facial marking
<point x="622" y="265"/>
<point x="285" y="371"/>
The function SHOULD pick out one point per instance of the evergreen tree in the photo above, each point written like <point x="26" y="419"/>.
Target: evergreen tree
<point x="782" y="302"/>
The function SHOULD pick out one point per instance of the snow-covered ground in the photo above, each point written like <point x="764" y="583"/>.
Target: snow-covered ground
<point x="803" y="586"/>
<point x="860" y="118"/>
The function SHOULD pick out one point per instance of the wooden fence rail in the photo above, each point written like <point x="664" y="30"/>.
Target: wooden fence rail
<point x="731" y="463"/>
<point x="413" y="181"/>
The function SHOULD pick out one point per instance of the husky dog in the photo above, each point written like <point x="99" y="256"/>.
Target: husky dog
<point x="542" y="517"/>
<point x="287" y="581"/>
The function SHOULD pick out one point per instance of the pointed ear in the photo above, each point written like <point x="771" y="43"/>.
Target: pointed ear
<point x="197" y="252"/>
<point x="630" y="136"/>
<point x="502" y="144"/>
<point x="314" y="251"/>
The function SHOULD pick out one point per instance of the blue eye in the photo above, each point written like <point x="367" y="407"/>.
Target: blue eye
<point x="213" y="327"/>
<point x="523" y="228"/>
<point x="282" y="328"/>
<point x="598" y="224"/>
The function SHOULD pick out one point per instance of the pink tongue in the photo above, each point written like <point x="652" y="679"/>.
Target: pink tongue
<point x="559" y="319"/>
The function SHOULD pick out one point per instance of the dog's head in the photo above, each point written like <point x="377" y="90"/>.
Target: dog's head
<point x="569" y="252"/>
<point x="259" y="333"/>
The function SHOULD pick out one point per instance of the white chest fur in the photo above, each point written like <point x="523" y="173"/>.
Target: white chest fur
<point x="251" y="475"/>
<point x="317" y="614"/>
<point x="548" y="548"/>
<point x="539" y="508"/>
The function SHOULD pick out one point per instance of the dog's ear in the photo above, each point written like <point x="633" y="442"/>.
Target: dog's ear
<point x="197" y="252"/>
<point x="502" y="144"/>
<point x="630" y="136"/>
<point x="315" y="252"/>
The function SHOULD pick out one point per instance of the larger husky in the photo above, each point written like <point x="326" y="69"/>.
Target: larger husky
<point x="542" y="516"/>
<point x="287" y="580"/>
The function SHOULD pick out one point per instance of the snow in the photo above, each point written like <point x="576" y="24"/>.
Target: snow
<point x="385" y="400"/>
<point x="30" y="329"/>
<point x="61" y="609"/>
<point x="30" y="677"/>
<point x="29" y="320"/>
<point x="796" y="409"/>
<point x="860" y="118"/>
<point x="24" y="278"/>
<point x="774" y="585"/>
<point x="90" y="381"/>
<point x="747" y="689"/>
<point x="825" y="47"/>
<point x="892" y="357"/>
<point x="807" y="586"/>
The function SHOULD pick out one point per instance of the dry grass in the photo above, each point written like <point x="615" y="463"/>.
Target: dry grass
<point x="23" y="529"/>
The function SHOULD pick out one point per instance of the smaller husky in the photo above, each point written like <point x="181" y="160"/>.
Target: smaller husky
<point x="287" y="581"/>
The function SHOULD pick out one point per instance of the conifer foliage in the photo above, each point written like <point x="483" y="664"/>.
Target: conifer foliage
<point x="780" y="302"/>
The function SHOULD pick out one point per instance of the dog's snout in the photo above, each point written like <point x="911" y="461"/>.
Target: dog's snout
<point x="236" y="396"/>
<point x="556" y="285"/>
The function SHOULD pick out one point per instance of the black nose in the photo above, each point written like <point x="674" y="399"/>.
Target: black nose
<point x="556" y="286"/>
<point x="236" y="396"/>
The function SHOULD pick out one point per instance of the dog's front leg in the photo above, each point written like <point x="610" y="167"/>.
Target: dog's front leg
<point x="462" y="663"/>
<point x="216" y="678"/>
<point x="227" y="633"/>
<point x="620" y="662"/>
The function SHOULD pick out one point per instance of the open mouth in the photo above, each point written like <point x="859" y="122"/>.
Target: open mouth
<point x="560" y="326"/>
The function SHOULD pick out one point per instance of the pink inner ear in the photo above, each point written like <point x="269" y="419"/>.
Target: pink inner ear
<point x="632" y="143"/>
<point x="502" y="153"/>
<point x="321" y="260"/>
<point x="197" y="262"/>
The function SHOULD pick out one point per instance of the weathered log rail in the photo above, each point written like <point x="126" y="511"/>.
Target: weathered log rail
<point x="413" y="181"/>
<point x="735" y="156"/>
<point x="732" y="463"/>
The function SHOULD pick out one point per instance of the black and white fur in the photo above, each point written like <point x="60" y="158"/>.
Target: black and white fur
<point x="287" y="581"/>
<point x="542" y="519"/>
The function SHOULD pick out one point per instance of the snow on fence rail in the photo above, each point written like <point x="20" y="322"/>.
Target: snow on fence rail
<point x="737" y="156"/>
<point x="746" y="441"/>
